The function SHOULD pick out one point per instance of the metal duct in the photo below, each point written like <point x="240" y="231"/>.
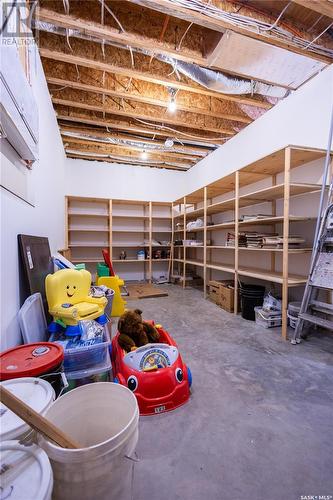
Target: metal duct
<point x="131" y="143"/>
<point x="210" y="79"/>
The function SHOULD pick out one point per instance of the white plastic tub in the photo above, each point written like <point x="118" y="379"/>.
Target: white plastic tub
<point x="35" y="392"/>
<point x="25" y="472"/>
<point x="103" y="418"/>
<point x="293" y="312"/>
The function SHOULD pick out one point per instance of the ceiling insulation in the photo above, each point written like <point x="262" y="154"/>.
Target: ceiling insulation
<point x="240" y="54"/>
<point x="115" y="67"/>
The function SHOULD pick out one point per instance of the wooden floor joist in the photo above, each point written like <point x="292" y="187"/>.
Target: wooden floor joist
<point x="115" y="126"/>
<point x="198" y="151"/>
<point x="161" y="120"/>
<point x="129" y="151"/>
<point x="123" y="161"/>
<point x="56" y="55"/>
<point x="64" y="83"/>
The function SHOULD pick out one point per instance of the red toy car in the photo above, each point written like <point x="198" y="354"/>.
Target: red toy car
<point x="155" y="373"/>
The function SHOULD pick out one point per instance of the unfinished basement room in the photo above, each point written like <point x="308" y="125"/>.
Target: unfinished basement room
<point x="166" y="250"/>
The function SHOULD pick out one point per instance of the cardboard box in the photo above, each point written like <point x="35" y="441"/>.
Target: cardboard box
<point x="222" y="293"/>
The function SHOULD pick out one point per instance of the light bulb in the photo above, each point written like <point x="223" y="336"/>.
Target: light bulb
<point x="172" y="106"/>
<point x="144" y="155"/>
<point x="169" y="143"/>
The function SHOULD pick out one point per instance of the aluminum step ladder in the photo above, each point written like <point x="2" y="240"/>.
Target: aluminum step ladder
<point x="314" y="311"/>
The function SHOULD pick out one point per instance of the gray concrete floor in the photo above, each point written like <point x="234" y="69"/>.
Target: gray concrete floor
<point x="259" y="424"/>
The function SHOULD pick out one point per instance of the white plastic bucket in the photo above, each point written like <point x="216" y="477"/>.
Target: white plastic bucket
<point x="102" y="417"/>
<point x="35" y="392"/>
<point x="25" y="472"/>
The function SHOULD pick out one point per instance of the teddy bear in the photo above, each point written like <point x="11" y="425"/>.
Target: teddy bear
<point x="134" y="332"/>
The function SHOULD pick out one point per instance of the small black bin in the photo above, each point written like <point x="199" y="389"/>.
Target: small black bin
<point x="251" y="296"/>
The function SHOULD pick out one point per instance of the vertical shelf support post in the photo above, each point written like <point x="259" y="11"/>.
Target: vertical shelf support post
<point x="285" y="271"/>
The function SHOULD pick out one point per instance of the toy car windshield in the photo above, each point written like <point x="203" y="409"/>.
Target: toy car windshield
<point x="151" y="357"/>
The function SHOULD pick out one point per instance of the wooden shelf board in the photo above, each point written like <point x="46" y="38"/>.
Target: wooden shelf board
<point x="86" y="214"/>
<point x="272" y="220"/>
<point x="276" y="277"/>
<point x="192" y="262"/>
<point x="160" y="260"/>
<point x="129" y="260"/>
<point x="130" y="230"/>
<point x="86" y="230"/>
<point x="88" y="245"/>
<point x="129" y="245"/>
<point x="229" y="268"/>
<point x="274" y="163"/>
<point x="291" y="250"/>
<point x="253" y="222"/>
<point x="122" y="216"/>
<point x="89" y="259"/>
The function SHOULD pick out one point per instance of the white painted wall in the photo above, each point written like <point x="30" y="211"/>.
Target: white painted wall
<point x="44" y="218"/>
<point x="302" y="119"/>
<point x="127" y="182"/>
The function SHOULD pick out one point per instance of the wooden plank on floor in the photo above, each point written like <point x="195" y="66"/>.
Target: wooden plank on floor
<point x="145" y="291"/>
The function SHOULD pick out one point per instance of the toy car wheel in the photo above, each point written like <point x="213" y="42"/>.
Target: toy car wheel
<point x="189" y="377"/>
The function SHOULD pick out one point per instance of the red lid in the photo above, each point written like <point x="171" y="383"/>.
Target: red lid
<point x="30" y="360"/>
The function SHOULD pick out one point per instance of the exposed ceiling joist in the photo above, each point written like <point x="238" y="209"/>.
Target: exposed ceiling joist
<point x="143" y="99"/>
<point x="113" y="125"/>
<point x="170" y="8"/>
<point x="113" y="35"/>
<point x="324" y="7"/>
<point x="159" y="119"/>
<point x="130" y="151"/>
<point x="144" y="76"/>
<point x="194" y="150"/>
<point x="85" y="155"/>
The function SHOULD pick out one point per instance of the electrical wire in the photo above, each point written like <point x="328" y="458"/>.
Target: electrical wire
<point x="112" y="14"/>
<point x="253" y="25"/>
<point x="269" y="28"/>
<point x="164" y="127"/>
<point x="318" y="36"/>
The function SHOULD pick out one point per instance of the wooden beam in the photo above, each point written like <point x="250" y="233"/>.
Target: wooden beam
<point x="112" y="124"/>
<point x="133" y="114"/>
<point x="191" y="150"/>
<point x="143" y="99"/>
<point x="113" y="35"/>
<point x="170" y="8"/>
<point x="129" y="150"/>
<point x="145" y="77"/>
<point x="123" y="161"/>
<point x="324" y="7"/>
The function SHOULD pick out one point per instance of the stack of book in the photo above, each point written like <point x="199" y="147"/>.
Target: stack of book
<point x="231" y="240"/>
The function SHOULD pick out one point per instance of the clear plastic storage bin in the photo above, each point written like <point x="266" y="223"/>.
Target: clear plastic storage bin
<point x="99" y="373"/>
<point x="85" y="354"/>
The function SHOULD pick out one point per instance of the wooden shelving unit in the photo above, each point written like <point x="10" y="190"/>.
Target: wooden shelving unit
<point x="93" y="224"/>
<point x="267" y="181"/>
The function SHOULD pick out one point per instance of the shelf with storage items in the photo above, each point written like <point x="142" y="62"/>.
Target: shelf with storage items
<point x="120" y="225"/>
<point x="232" y="203"/>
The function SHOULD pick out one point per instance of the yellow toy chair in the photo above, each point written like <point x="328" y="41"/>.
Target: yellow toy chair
<point x="67" y="294"/>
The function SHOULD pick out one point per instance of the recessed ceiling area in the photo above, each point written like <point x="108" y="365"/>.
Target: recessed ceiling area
<point x="162" y="83"/>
